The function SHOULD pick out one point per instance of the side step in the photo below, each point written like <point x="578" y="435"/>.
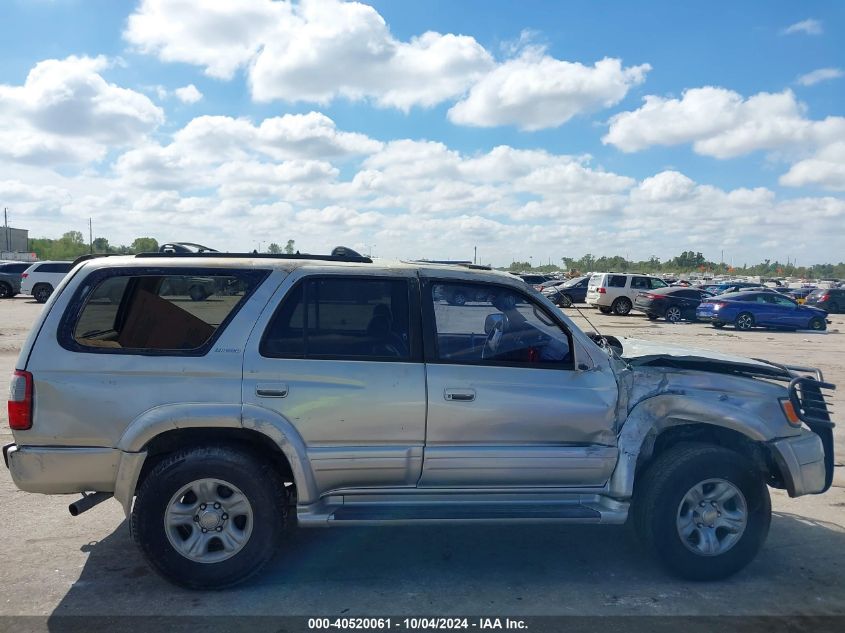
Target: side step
<point x="447" y="513"/>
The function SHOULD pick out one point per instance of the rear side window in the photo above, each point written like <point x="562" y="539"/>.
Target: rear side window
<point x="59" y="267"/>
<point x="639" y="282"/>
<point x="616" y="281"/>
<point x="14" y="268"/>
<point x="158" y="313"/>
<point x="342" y="318"/>
<point x="596" y="280"/>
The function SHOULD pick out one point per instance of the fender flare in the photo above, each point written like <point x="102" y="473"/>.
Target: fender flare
<point x="158" y="420"/>
<point x="658" y="413"/>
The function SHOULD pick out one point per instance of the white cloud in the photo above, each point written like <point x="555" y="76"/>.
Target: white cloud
<point x="817" y="76"/>
<point x="808" y="27"/>
<point x="535" y="91"/>
<point x="313" y="50"/>
<point x="65" y="112"/>
<point x="722" y="124"/>
<point x="188" y="94"/>
<point x="826" y="169"/>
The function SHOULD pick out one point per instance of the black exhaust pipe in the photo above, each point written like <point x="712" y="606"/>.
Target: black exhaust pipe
<point x="88" y="501"/>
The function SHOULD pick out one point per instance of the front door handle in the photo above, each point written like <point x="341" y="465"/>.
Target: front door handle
<point x="459" y="395"/>
<point x="274" y="390"/>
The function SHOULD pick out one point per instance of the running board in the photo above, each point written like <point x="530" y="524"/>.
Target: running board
<point x="589" y="510"/>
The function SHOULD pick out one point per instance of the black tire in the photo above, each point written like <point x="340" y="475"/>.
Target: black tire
<point x="197" y="293"/>
<point x="621" y="306"/>
<point x="659" y="494"/>
<point x="718" y="325"/>
<point x="565" y="301"/>
<point x="41" y="293"/>
<point x="604" y="309"/>
<point x="6" y="291"/>
<point x="258" y="481"/>
<point x="818" y="324"/>
<point x="744" y="321"/>
<point x="673" y="314"/>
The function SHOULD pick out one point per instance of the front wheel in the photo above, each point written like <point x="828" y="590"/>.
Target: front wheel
<point x="673" y="314"/>
<point x="703" y="510"/>
<point x="209" y="517"/>
<point x="818" y="324"/>
<point x="5" y="291"/>
<point x="565" y="301"/>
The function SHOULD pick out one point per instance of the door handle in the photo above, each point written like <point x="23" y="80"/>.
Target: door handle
<point x="459" y="395"/>
<point x="271" y="391"/>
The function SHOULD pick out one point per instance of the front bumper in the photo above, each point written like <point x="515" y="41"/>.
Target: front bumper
<point x="62" y="470"/>
<point x="801" y="460"/>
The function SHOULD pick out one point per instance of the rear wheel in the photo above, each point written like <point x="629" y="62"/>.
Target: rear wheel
<point x="703" y="510"/>
<point x="209" y="517"/>
<point x="744" y="321"/>
<point x="673" y="314"/>
<point x="833" y="308"/>
<point x="42" y="292"/>
<point x="818" y="324"/>
<point x="718" y="324"/>
<point x="197" y="293"/>
<point x="565" y="301"/>
<point x="651" y="317"/>
<point x="5" y="290"/>
<point x="621" y="306"/>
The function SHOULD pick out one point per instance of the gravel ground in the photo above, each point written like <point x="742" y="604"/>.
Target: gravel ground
<point x="58" y="565"/>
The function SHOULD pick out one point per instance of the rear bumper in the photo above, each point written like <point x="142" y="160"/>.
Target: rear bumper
<point x="62" y="470"/>
<point x="707" y="317"/>
<point x="801" y="460"/>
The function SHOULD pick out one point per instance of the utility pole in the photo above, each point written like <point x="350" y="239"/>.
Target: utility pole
<point x="90" y="237"/>
<point x="6" y="229"/>
<point x="474" y="254"/>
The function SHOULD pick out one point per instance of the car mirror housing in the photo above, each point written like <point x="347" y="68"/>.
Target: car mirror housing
<point x="492" y="321"/>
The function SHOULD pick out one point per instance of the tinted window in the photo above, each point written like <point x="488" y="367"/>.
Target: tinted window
<point x="657" y="283"/>
<point x="616" y="281"/>
<point x="156" y="312"/>
<point x="59" y="267"/>
<point x="504" y="328"/>
<point x="343" y="318"/>
<point x="14" y="268"/>
<point x="639" y="282"/>
<point x="780" y="300"/>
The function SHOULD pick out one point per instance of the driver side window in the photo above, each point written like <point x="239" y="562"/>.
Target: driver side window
<point x="495" y="325"/>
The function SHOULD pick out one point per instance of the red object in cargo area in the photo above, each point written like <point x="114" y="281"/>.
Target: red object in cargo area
<point x="20" y="401"/>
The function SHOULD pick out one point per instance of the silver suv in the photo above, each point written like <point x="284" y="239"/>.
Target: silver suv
<point x="335" y="391"/>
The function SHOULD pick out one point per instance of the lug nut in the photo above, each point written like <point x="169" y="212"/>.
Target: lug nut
<point x="225" y="516"/>
<point x="203" y="506"/>
<point x="219" y="529"/>
<point x="196" y="518"/>
<point x="204" y="530"/>
<point x="216" y="506"/>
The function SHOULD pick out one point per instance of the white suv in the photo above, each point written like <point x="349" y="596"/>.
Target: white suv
<point x="39" y="280"/>
<point x="615" y="292"/>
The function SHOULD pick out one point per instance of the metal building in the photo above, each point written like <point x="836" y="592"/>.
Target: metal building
<point x="14" y="240"/>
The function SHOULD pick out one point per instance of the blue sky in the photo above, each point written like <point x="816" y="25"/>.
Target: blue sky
<point x="733" y="142"/>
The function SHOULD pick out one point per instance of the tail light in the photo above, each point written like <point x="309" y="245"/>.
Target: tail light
<point x="601" y="291"/>
<point x="20" y="401"/>
<point x="649" y="295"/>
<point x="718" y="304"/>
<point x="24" y="275"/>
<point x="824" y="297"/>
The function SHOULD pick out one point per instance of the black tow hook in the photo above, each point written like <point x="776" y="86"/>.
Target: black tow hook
<point x="88" y="501"/>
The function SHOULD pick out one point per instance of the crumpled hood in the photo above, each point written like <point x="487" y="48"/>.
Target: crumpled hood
<point x="639" y="353"/>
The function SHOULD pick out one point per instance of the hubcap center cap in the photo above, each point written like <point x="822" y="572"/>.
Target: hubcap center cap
<point x="210" y="519"/>
<point x="708" y="516"/>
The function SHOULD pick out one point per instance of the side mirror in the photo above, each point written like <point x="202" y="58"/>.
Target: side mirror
<point x="492" y="321"/>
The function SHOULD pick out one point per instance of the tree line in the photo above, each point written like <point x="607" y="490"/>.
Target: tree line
<point x="72" y="244"/>
<point x="686" y="262"/>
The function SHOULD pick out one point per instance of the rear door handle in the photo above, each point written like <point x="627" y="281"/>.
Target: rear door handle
<point x="459" y="395"/>
<point x="274" y="390"/>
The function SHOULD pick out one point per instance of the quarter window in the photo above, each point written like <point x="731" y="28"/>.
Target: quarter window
<point x="342" y="318"/>
<point x="639" y="282"/>
<point x="159" y="312"/>
<point x="496" y="326"/>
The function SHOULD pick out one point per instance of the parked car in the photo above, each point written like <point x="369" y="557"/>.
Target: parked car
<point x="39" y="280"/>
<point x="569" y="292"/>
<point x="760" y="309"/>
<point x="10" y="278"/>
<point x="799" y="295"/>
<point x="615" y="292"/>
<point x="832" y="300"/>
<point x="551" y="283"/>
<point x="733" y="286"/>
<point x="336" y="390"/>
<point x="534" y="280"/>
<point x="674" y="303"/>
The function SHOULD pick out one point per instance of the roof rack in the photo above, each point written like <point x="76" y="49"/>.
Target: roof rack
<point x="452" y="262"/>
<point x="212" y="255"/>
<point x="85" y="258"/>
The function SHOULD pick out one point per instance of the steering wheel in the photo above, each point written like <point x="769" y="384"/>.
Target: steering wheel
<point x="494" y="337"/>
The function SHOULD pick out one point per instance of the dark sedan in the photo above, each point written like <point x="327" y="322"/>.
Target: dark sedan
<point x="760" y="309"/>
<point x="569" y="292"/>
<point x="831" y="300"/>
<point x="673" y="303"/>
